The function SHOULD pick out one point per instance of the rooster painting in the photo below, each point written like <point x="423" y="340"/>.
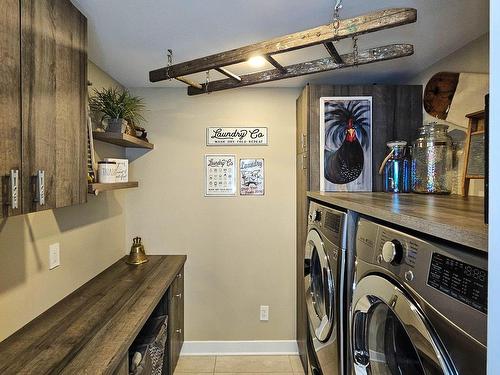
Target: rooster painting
<point x="347" y="143"/>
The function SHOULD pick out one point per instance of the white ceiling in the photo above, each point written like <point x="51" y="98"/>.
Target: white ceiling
<point x="128" y="38"/>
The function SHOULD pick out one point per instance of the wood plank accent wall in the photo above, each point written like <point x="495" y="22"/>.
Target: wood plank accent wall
<point x="10" y="102"/>
<point x="54" y="101"/>
<point x="397" y="113"/>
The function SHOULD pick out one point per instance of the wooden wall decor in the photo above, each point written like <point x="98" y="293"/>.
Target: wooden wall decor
<point x="474" y="156"/>
<point x="325" y="34"/>
<point x="439" y="93"/>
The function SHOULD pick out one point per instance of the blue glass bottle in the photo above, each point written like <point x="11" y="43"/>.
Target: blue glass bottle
<point x="397" y="169"/>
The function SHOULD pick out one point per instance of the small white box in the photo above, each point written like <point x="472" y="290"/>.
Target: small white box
<point x="121" y="169"/>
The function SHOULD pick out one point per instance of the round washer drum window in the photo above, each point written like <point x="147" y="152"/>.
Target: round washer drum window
<point x="390" y="349"/>
<point x="320" y="287"/>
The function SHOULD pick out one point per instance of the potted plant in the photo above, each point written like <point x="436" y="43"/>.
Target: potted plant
<point x="118" y="107"/>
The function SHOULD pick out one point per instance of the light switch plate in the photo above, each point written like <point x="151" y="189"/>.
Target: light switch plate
<point x="264" y="313"/>
<point x="54" y="257"/>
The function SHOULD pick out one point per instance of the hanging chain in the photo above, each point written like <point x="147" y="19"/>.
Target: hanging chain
<point x="336" y="16"/>
<point x="170" y="58"/>
<point x="355" y="51"/>
<point x="207" y="81"/>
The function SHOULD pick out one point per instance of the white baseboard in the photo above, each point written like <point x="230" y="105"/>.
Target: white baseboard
<point x="264" y="347"/>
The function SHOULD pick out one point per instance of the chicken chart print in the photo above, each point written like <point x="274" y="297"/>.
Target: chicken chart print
<point x="346" y="143"/>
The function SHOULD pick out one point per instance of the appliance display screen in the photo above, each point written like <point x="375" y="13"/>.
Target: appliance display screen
<point x="464" y="282"/>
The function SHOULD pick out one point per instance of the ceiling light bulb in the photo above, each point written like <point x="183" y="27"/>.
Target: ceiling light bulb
<point x="257" y="61"/>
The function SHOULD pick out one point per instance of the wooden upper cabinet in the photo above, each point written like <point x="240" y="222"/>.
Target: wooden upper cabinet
<point x="54" y="103"/>
<point x="10" y="104"/>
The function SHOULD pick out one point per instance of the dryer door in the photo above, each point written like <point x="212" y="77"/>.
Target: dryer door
<point x="390" y="336"/>
<point x="320" y="287"/>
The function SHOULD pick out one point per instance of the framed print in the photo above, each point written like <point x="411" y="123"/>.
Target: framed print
<point x="346" y="143"/>
<point x="220" y="175"/>
<point x="252" y="177"/>
<point x="244" y="136"/>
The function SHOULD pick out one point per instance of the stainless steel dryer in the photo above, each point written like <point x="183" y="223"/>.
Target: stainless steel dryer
<point x="417" y="307"/>
<point x="323" y="276"/>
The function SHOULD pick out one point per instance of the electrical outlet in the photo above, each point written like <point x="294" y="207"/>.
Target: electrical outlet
<point x="54" y="257"/>
<point x="264" y="313"/>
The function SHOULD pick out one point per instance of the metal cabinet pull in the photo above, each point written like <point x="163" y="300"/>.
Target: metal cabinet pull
<point x="178" y="330"/>
<point x="179" y="295"/>
<point x="304" y="141"/>
<point x="40" y="187"/>
<point x="14" y="188"/>
<point x="179" y="275"/>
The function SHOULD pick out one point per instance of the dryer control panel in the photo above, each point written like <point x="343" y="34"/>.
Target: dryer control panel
<point x="459" y="280"/>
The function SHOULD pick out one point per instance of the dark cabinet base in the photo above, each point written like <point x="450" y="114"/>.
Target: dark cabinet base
<point x="175" y="322"/>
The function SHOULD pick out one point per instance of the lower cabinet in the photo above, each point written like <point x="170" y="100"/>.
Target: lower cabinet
<point x="175" y="323"/>
<point x="155" y="340"/>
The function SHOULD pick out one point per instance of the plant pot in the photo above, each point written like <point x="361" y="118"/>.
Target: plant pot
<point x="116" y="125"/>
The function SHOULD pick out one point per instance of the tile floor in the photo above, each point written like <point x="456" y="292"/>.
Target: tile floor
<point x="248" y="365"/>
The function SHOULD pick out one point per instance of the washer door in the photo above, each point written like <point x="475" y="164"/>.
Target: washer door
<point x="320" y="287"/>
<point x="390" y="336"/>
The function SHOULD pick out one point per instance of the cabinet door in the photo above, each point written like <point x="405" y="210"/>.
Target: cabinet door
<point x="10" y="104"/>
<point x="54" y="102"/>
<point x="302" y="121"/>
<point x="302" y="175"/>
<point x="175" y="322"/>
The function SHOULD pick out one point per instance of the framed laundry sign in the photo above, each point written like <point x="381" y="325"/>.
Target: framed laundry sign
<point x="252" y="177"/>
<point x="220" y="175"/>
<point x="244" y="136"/>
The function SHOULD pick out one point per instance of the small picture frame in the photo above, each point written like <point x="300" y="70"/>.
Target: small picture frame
<point x="220" y="175"/>
<point x="252" y="177"/>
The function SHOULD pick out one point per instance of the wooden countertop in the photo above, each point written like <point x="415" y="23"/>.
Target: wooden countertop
<point x="90" y="331"/>
<point x="449" y="217"/>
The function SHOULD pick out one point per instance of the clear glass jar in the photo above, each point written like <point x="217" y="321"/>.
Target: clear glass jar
<point x="432" y="160"/>
<point x="397" y="168"/>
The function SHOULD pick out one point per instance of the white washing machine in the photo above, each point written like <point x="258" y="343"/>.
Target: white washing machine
<point x="324" y="288"/>
<point x="418" y="307"/>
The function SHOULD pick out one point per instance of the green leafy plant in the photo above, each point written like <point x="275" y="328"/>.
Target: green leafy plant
<point x="115" y="103"/>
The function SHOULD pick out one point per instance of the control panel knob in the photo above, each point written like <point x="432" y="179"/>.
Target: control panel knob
<point x="315" y="215"/>
<point x="409" y="276"/>
<point x="392" y="252"/>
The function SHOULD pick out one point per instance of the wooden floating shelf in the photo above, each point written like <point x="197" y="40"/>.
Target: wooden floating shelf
<point x="124" y="140"/>
<point x="96" y="188"/>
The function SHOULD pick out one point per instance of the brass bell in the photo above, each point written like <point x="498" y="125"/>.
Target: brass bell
<point x="137" y="253"/>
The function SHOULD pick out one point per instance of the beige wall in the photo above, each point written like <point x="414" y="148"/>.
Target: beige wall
<point x="472" y="58"/>
<point x="91" y="238"/>
<point x="241" y="250"/>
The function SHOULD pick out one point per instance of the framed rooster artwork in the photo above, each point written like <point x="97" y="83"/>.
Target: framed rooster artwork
<point x="346" y="143"/>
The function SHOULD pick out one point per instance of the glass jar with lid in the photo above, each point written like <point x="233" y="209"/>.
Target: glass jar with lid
<point x="432" y="159"/>
<point x="397" y="168"/>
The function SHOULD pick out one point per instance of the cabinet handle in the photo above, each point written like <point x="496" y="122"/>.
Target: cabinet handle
<point x="14" y="188"/>
<point x="304" y="141"/>
<point x="40" y="187"/>
<point x="178" y="331"/>
<point x="179" y="275"/>
<point x="179" y="295"/>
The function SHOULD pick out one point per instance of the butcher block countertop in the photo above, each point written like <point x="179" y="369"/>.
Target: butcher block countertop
<point x="90" y="331"/>
<point x="450" y="217"/>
